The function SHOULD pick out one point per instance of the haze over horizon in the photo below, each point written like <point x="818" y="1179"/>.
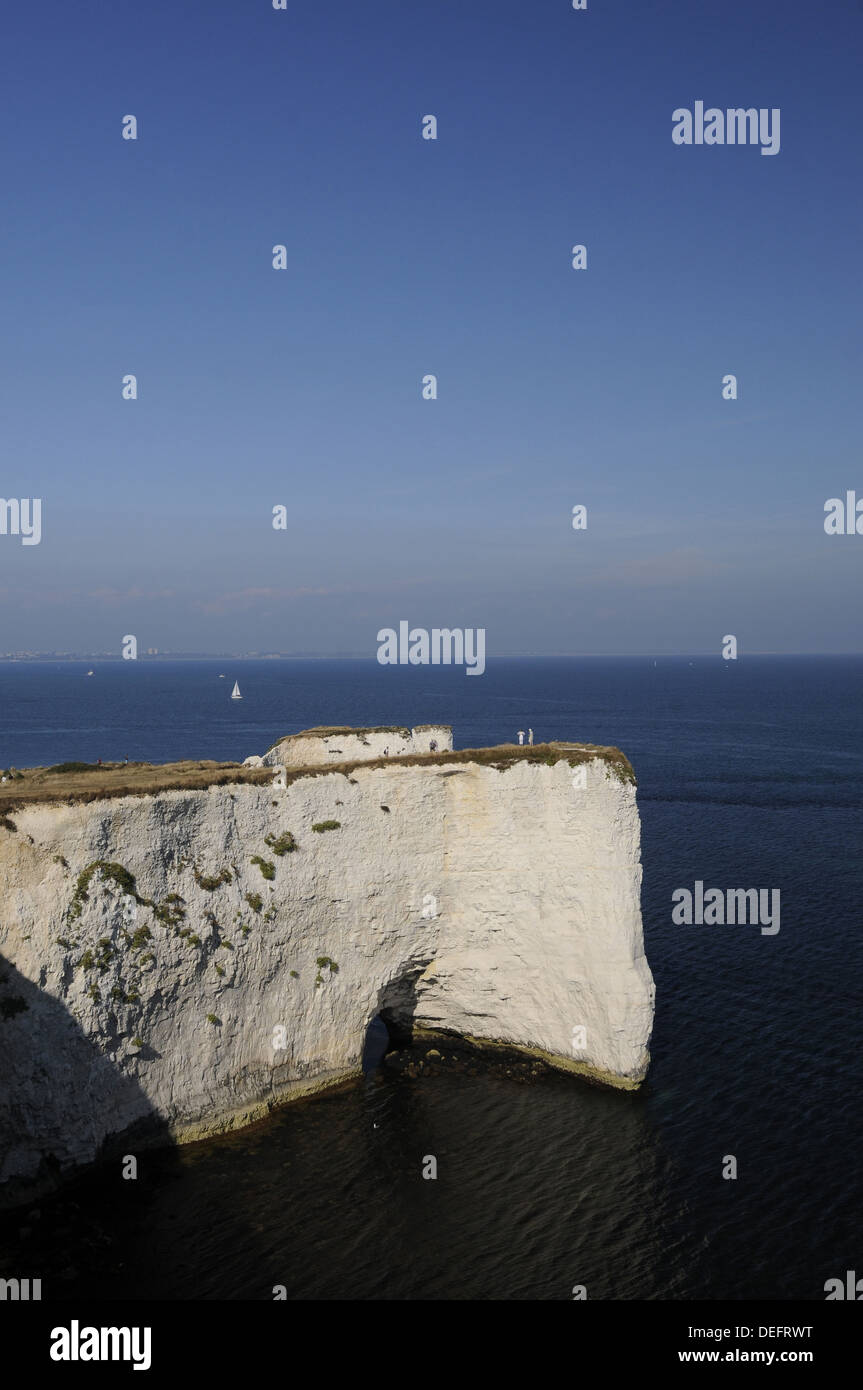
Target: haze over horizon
<point x="268" y="655"/>
<point x="302" y="387"/>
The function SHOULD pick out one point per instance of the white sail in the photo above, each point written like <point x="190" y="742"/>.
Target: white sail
<point x="235" y="693"/>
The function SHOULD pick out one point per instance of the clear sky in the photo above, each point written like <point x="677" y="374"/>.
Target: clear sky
<point x="302" y="387"/>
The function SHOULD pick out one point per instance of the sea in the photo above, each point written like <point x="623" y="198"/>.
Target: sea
<point x="749" y="775"/>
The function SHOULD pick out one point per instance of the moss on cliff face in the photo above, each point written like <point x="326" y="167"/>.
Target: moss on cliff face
<point x="170" y="912"/>
<point x="210" y="882"/>
<point x="284" y="844"/>
<point x="113" y="873"/>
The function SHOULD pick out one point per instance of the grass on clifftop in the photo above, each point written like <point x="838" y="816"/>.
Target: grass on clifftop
<point x="341" y="730"/>
<point x="501" y="757"/>
<point x="43" y="785"/>
<point x="47" y="784"/>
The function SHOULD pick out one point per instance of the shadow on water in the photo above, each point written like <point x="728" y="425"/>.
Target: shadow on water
<point x="393" y="1024"/>
<point x="377" y="1045"/>
<point x="64" y="1101"/>
<point x="539" y="1186"/>
<point x="70" y="1118"/>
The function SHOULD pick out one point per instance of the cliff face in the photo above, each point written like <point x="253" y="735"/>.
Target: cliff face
<point x="181" y="985"/>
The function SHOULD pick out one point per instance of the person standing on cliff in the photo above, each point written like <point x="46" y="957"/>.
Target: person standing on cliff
<point x="530" y="735"/>
<point x="521" y="735"/>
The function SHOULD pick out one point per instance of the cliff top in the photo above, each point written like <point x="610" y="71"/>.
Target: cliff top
<point x="66" y="783"/>
<point x="328" y="730"/>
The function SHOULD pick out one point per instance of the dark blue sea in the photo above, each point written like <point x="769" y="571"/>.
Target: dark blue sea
<point x="749" y="775"/>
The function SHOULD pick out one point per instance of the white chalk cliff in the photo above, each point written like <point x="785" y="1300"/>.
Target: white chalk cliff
<point x="482" y="894"/>
<point x="328" y="745"/>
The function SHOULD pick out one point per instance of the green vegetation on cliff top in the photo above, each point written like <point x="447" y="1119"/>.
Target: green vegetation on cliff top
<point x="41" y="785"/>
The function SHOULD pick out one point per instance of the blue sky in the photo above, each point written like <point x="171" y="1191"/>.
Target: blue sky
<point x="408" y="257"/>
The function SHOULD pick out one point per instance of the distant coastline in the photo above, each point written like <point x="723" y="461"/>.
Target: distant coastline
<point x="12" y="657"/>
<point x="30" y="658"/>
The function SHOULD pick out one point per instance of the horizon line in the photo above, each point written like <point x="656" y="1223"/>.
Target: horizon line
<point x="72" y="657"/>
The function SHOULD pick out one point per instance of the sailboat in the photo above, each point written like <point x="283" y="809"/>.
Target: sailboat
<point x="235" y="693"/>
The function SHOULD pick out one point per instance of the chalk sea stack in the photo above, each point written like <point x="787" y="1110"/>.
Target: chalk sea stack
<point x="183" y="946"/>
